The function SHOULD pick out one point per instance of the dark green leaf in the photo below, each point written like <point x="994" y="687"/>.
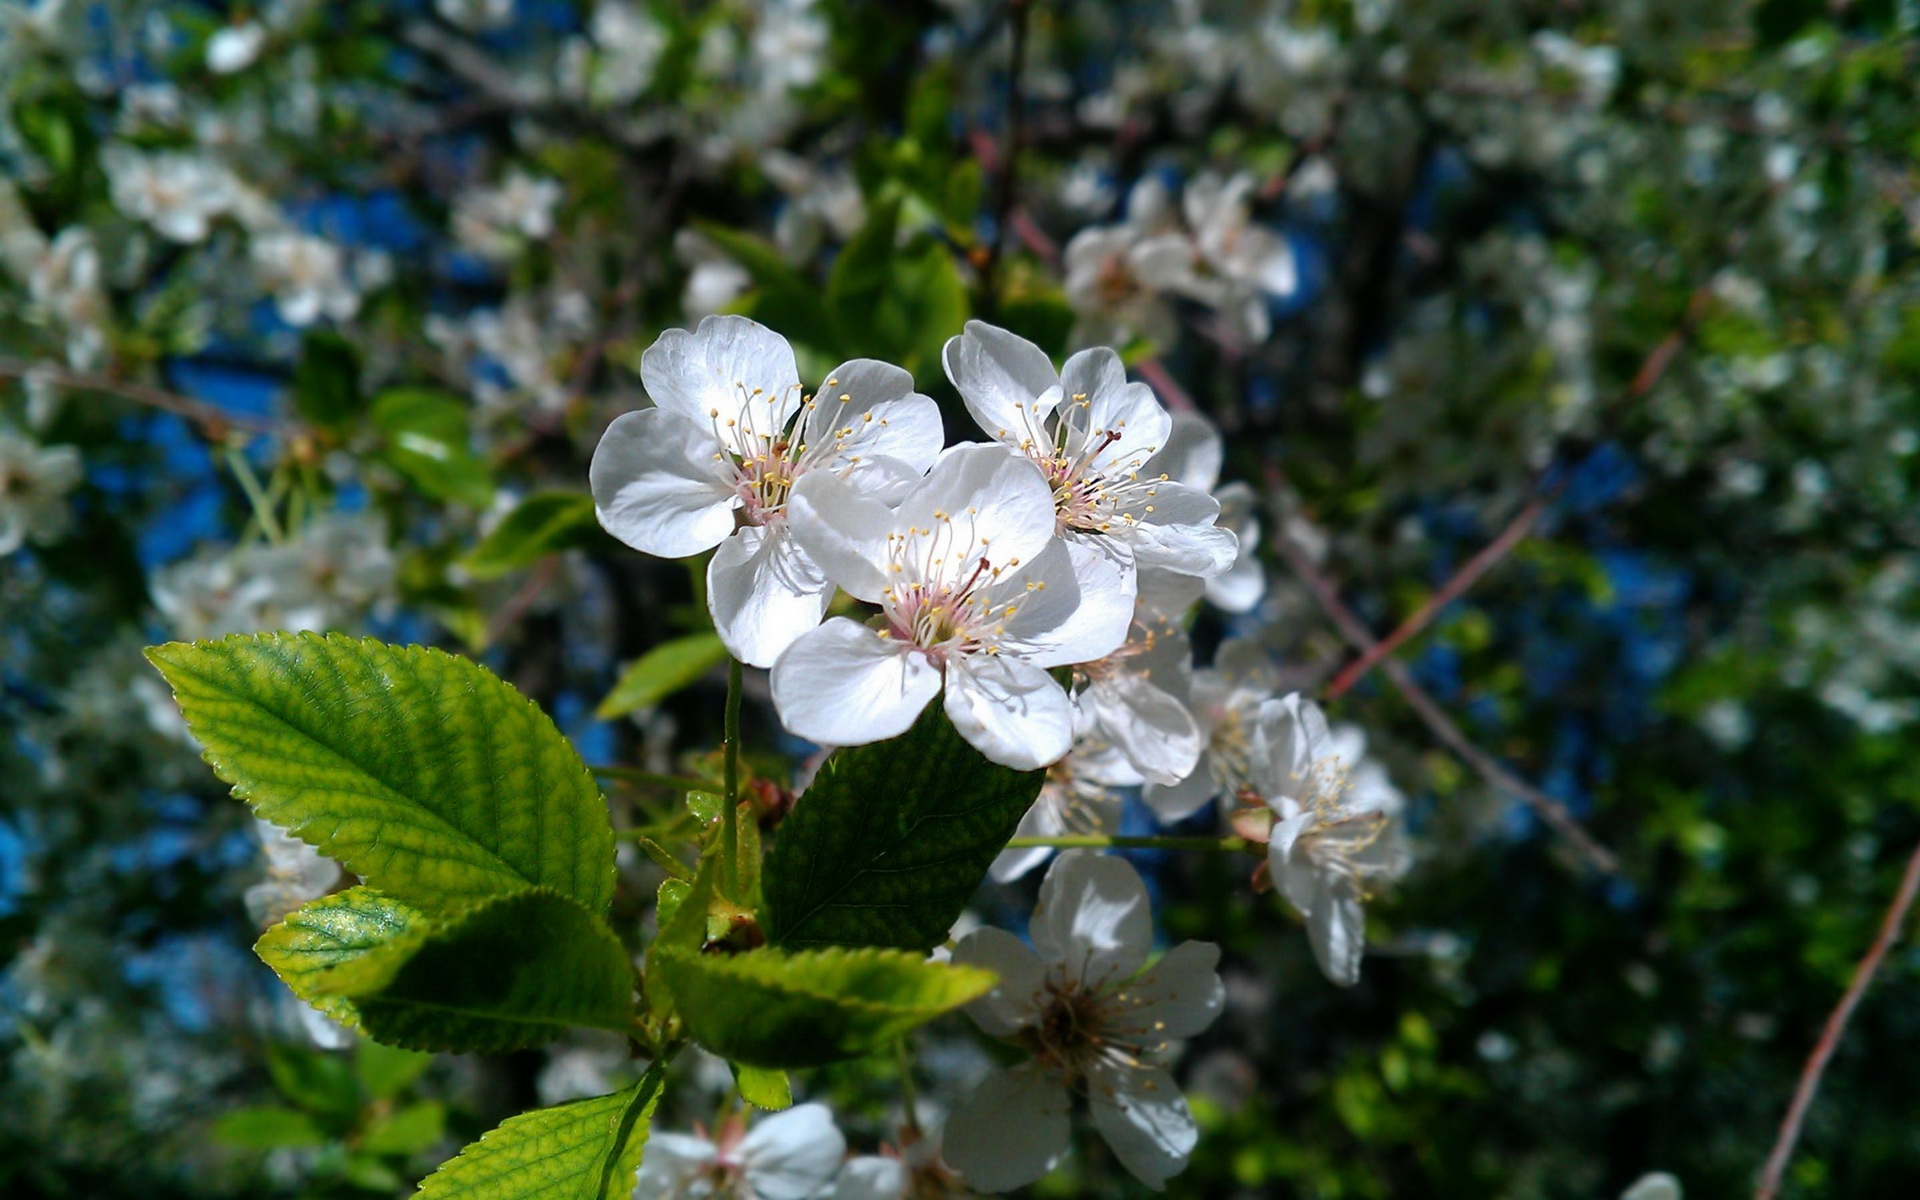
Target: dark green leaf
<point x="326" y="380"/>
<point x="386" y="1071"/>
<point x="662" y="671"/>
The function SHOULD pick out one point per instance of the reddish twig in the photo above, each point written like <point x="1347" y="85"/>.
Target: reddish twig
<point x="517" y="605"/>
<point x="1836" y="1026"/>
<point x="1468" y="575"/>
<point x="1424" y="706"/>
<point x="215" y="422"/>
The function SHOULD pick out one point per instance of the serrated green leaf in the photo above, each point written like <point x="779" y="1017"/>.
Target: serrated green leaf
<point x="408" y="1131"/>
<point x="510" y="973"/>
<point x="662" y="671"/>
<point x="423" y="773"/>
<point x="587" y="1150"/>
<point x="385" y="1071"/>
<point x="326" y="379"/>
<point x="762" y="1088"/>
<point x="891" y="840"/>
<point x="542" y="524"/>
<point x="769" y="1008"/>
<point x="428" y="440"/>
<point x="330" y="933"/>
<point x="267" y="1129"/>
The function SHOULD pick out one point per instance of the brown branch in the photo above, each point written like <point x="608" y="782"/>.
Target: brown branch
<point x="1018" y="12"/>
<point x="1836" y="1026"/>
<point x="1468" y="575"/>
<point x="1424" y="706"/>
<point x="213" y="421"/>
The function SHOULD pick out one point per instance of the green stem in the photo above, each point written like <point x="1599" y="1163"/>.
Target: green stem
<point x="730" y="811"/>
<point x="1097" y="841"/>
<point x="907" y="1095"/>
<point x="673" y="783"/>
<point x="256" y="495"/>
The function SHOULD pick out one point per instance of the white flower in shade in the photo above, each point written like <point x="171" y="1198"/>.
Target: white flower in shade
<point x="716" y="461"/>
<point x="34" y="482"/>
<point x="1091" y="434"/>
<point x="178" y="193"/>
<point x="1248" y="261"/>
<point x="1225" y="701"/>
<point x="713" y="279"/>
<point x="1119" y="277"/>
<point x="235" y="47"/>
<point x="1094" y="1024"/>
<point x="1192" y="456"/>
<point x="788" y="1156"/>
<point x="65" y="284"/>
<point x="492" y="221"/>
<point x="306" y="275"/>
<point x="1336" y="829"/>
<point x="975" y="593"/>
<point x="1135" y="700"/>
<point x="1657" y="1186"/>
<point x="911" y="1171"/>
<point x="630" y="41"/>
<point x="296" y="873"/>
<point x="1078" y="797"/>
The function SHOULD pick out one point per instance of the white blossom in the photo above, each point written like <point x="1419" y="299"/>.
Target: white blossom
<point x="34" y="482"/>
<point x="306" y="275"/>
<point x="1078" y="797"/>
<point x="235" y="47"/>
<point x="976" y="596"/>
<point x="1094" y="1024"/>
<point x="911" y="1171"/>
<point x="1192" y="456"/>
<point x="493" y="221"/>
<point x="630" y="41"/>
<point x="730" y="437"/>
<point x="65" y="284"/>
<point x="1135" y="700"/>
<point x="296" y="873"/>
<point x="1337" y="826"/>
<point x="1225" y="701"/>
<point x="1119" y="278"/>
<point x="1249" y="262"/>
<point x="179" y="193"/>
<point x="791" y="1155"/>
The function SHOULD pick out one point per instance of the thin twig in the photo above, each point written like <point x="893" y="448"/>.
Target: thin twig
<point x="1424" y="706"/>
<point x="214" y="421"/>
<point x="522" y="600"/>
<point x="1836" y="1026"/>
<point x="1468" y="575"/>
<point x="1017" y="13"/>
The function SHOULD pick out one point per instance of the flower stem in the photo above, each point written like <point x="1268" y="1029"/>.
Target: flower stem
<point x="730" y="811"/>
<point x="1100" y="841"/>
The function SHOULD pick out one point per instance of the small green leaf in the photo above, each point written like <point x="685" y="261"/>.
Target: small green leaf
<point x="541" y="524"/>
<point x="762" y="1088"/>
<point x="422" y="773"/>
<point x="267" y="1129"/>
<point x="587" y="1150"/>
<point x="428" y="441"/>
<point x="510" y="973"/>
<point x="408" y="1131"/>
<point x="316" y="1081"/>
<point x="386" y="1071"/>
<point x="662" y="671"/>
<point x="329" y="933"/>
<point x="769" y="1008"/>
<point x="891" y="841"/>
<point x="326" y="380"/>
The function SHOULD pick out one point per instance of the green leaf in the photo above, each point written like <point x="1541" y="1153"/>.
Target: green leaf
<point x="587" y="1150"/>
<point x="422" y="773"/>
<point x="891" y="841"/>
<point x="661" y="672"/>
<point x="318" y="1082"/>
<point x="762" y="1088"/>
<point x="508" y="974"/>
<point x="863" y="270"/>
<point x="542" y="524"/>
<point x="769" y="1008"/>
<point x="408" y="1131"/>
<point x="329" y="933"/>
<point x="326" y="380"/>
<point x="428" y="441"/>
<point x="267" y="1129"/>
<point x="386" y="1071"/>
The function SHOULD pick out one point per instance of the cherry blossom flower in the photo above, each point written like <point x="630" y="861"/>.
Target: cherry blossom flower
<point x="1225" y="701"/>
<point x="715" y="462"/>
<point x="1135" y="700"/>
<point x="493" y="221"/>
<point x="1119" y="277"/>
<point x="788" y="1156"/>
<point x="34" y="482"/>
<point x="1248" y="262"/>
<point x="1192" y="456"/>
<point x="1336" y="831"/>
<point x="1091" y="433"/>
<point x="235" y="47"/>
<point x="912" y="1170"/>
<point x="307" y="276"/>
<point x="180" y="194"/>
<point x="975" y="594"/>
<point x="1094" y="1024"/>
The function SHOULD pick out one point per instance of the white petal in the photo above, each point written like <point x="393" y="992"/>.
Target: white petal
<point x="1149" y="726"/>
<point x="993" y="504"/>
<point x="1010" y="1131"/>
<point x="1136" y="418"/>
<point x="1192" y="454"/>
<point x="764" y="591"/>
<point x="1083" y="611"/>
<point x="1142" y="1115"/>
<point x="1175" y="802"/>
<point x="730" y="369"/>
<point x="1178" y="996"/>
<point x="671" y="1160"/>
<point x="880" y="414"/>
<point x="870" y="1177"/>
<point x="792" y="1155"/>
<point x="1042" y="819"/>
<point x="1002" y="377"/>
<point x="1169" y="594"/>
<point x="1180" y="534"/>
<point x="1011" y="1006"/>
<point x="843" y="531"/>
<point x="842" y="684"/>
<point x="656" y="485"/>
<point x="1291" y="734"/>
<point x="1011" y="711"/>
<point x="1093" y="917"/>
<point x="1657" y="1186"/>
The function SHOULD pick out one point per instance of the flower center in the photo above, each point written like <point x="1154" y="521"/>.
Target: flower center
<point x="1083" y="1025"/>
<point x="940" y="600"/>
<point x="1088" y="496"/>
<point x="764" y="446"/>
